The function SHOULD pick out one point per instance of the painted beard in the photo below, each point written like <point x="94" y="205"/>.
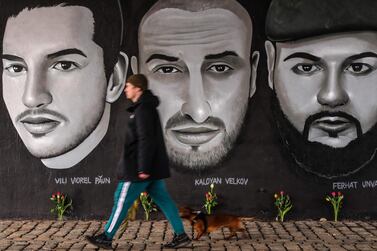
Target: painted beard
<point x="60" y="148"/>
<point x="320" y="159"/>
<point x="195" y="159"/>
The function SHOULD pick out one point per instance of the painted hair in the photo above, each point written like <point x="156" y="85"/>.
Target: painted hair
<point x="108" y="22"/>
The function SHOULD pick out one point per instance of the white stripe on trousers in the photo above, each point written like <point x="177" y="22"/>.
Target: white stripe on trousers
<point x="120" y="204"/>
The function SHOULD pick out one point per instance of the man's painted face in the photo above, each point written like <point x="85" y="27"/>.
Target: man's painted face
<point x="54" y="83"/>
<point x="198" y="63"/>
<point x="326" y="86"/>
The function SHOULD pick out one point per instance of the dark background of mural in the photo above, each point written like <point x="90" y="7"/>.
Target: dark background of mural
<point x="26" y="184"/>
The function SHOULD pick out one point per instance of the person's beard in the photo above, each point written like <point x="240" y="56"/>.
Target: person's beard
<point x="196" y="159"/>
<point x="320" y="159"/>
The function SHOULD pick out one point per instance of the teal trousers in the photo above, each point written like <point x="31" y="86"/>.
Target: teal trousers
<point x="127" y="192"/>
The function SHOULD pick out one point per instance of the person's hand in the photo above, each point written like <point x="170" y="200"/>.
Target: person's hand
<point x="143" y="176"/>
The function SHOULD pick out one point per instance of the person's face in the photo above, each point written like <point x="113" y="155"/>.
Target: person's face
<point x="131" y="91"/>
<point x="198" y="63"/>
<point x="326" y="85"/>
<point x="54" y="83"/>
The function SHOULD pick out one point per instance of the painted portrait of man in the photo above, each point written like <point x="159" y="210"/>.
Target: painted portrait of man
<point x="322" y="70"/>
<point x="62" y="69"/>
<point x="198" y="59"/>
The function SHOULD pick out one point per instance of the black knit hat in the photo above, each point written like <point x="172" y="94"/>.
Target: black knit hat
<point x="289" y="20"/>
<point x="138" y="80"/>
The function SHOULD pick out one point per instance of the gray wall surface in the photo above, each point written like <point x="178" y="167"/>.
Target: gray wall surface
<point x="239" y="142"/>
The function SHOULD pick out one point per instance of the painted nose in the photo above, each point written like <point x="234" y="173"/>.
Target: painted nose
<point x="199" y="111"/>
<point x="196" y="106"/>
<point x="332" y="92"/>
<point x="36" y="93"/>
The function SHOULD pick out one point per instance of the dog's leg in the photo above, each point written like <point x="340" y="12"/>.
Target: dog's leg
<point x="200" y="234"/>
<point x="200" y="231"/>
<point x="233" y="231"/>
<point x="244" y="232"/>
<point x="231" y="235"/>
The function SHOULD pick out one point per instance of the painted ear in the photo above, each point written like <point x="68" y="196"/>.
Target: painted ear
<point x="254" y="72"/>
<point x="134" y="65"/>
<point x="270" y="51"/>
<point x="117" y="80"/>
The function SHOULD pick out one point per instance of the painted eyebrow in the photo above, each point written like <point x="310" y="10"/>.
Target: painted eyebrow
<point x="49" y="56"/>
<point x="11" y="57"/>
<point x="303" y="55"/>
<point x="368" y="54"/>
<point x="221" y="55"/>
<point x="162" y="57"/>
<point x="66" y="52"/>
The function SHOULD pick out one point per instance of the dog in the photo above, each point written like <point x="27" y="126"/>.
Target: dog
<point x="205" y="223"/>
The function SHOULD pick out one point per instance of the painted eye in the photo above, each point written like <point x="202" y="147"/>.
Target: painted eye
<point x="65" y="66"/>
<point x="306" y="69"/>
<point x="359" y="68"/>
<point x="15" y="69"/>
<point x="167" y="70"/>
<point x="219" y="68"/>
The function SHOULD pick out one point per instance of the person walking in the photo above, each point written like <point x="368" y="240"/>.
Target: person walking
<point x="143" y="167"/>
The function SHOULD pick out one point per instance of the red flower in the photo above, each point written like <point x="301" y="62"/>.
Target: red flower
<point x="145" y="194"/>
<point x="339" y="193"/>
<point x="333" y="194"/>
<point x="281" y="193"/>
<point x="58" y="193"/>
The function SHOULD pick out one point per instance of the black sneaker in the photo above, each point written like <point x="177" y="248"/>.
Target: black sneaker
<point x="178" y="241"/>
<point x="100" y="240"/>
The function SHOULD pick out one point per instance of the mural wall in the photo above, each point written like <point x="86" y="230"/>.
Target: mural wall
<point x="256" y="97"/>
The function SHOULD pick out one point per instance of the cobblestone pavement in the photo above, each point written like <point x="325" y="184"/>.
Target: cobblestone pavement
<point x="142" y="235"/>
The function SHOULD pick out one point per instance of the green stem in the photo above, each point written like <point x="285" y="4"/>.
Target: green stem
<point x="335" y="209"/>
<point x="60" y="216"/>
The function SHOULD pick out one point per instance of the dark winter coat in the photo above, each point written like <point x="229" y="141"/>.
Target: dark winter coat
<point x="144" y="150"/>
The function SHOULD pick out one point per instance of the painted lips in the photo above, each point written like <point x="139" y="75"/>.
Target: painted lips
<point x="333" y="124"/>
<point x="39" y="125"/>
<point x="195" y="136"/>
